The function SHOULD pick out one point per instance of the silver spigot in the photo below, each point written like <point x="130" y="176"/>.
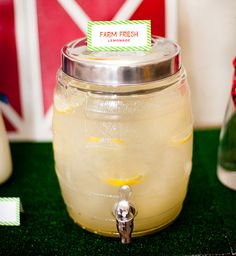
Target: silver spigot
<point x="124" y="213"/>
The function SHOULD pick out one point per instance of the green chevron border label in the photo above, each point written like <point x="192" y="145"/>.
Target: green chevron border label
<point x="128" y="35"/>
<point x="10" y="211"/>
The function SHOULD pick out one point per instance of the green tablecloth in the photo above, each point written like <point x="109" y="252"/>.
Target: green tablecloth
<point x="206" y="225"/>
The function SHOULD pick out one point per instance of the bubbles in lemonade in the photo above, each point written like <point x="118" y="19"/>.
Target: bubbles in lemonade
<point x="102" y="142"/>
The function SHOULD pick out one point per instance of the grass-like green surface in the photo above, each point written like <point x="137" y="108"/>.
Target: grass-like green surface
<point x="206" y="225"/>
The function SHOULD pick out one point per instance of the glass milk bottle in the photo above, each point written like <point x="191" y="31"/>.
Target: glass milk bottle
<point x="226" y="170"/>
<point x="5" y="156"/>
<point x="122" y="137"/>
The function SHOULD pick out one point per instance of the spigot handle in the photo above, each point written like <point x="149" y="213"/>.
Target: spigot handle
<point x="124" y="213"/>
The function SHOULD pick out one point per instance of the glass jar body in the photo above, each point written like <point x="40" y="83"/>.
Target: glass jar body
<point x="108" y="136"/>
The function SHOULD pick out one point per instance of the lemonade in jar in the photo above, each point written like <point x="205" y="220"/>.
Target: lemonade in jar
<point x="122" y="137"/>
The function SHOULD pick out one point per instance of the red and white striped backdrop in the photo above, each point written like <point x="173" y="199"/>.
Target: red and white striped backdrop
<point x="32" y="33"/>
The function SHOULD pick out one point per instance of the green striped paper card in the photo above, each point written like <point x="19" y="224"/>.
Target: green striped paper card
<point x="10" y="211"/>
<point x="128" y="35"/>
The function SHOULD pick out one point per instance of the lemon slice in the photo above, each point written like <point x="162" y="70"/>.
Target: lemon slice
<point x="61" y="106"/>
<point x="182" y="137"/>
<point x="117" y="141"/>
<point x="104" y="139"/>
<point x="121" y="182"/>
<point x="94" y="139"/>
<point x="65" y="110"/>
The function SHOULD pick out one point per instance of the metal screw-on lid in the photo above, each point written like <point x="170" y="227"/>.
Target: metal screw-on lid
<point x="120" y="68"/>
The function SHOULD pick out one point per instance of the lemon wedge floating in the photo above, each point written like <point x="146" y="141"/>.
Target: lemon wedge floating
<point x="121" y="182"/>
<point x="67" y="104"/>
<point x="61" y="106"/>
<point x="182" y="138"/>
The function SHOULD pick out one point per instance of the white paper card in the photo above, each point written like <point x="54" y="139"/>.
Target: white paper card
<point x="128" y="35"/>
<point x="10" y="211"/>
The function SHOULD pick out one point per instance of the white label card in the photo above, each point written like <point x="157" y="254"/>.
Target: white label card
<point x="10" y="211"/>
<point x="128" y="35"/>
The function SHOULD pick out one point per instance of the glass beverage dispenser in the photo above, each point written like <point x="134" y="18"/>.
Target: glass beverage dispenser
<point x="122" y="137"/>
